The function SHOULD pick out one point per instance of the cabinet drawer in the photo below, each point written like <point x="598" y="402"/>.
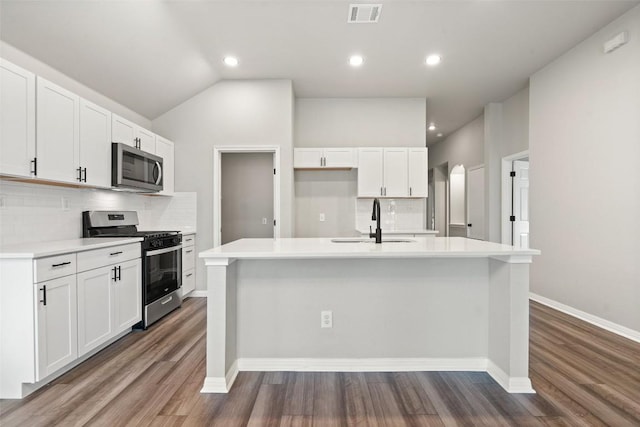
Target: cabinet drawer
<point x="188" y="281"/>
<point x="53" y="267"/>
<point x="88" y="260"/>
<point x="188" y="240"/>
<point x="188" y="258"/>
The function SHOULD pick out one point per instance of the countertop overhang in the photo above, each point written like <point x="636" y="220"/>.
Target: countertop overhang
<point x="324" y="248"/>
<point x="44" y="249"/>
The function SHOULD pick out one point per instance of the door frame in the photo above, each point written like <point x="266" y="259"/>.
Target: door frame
<point x="217" y="185"/>
<point x="505" y="213"/>
<point x="466" y="198"/>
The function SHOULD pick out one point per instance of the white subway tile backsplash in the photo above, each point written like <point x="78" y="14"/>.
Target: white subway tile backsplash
<point x="36" y="213"/>
<point x="409" y="214"/>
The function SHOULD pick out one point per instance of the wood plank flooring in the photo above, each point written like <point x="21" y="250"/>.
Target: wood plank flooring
<point x="584" y="376"/>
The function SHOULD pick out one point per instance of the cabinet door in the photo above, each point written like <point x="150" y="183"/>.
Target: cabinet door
<point x="57" y="329"/>
<point x="57" y="136"/>
<point x="188" y="282"/>
<point x="128" y="295"/>
<point x="339" y="157"/>
<point x="95" y="308"/>
<point x="370" y="169"/>
<point x="165" y="149"/>
<point x="307" y="157"/>
<point x="418" y="165"/>
<point x="95" y="144"/>
<point x="17" y="119"/>
<point x="396" y="174"/>
<point x="123" y="131"/>
<point x="147" y="140"/>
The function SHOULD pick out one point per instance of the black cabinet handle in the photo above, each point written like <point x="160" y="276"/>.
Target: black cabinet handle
<point x="115" y="253"/>
<point x="119" y="273"/>
<point x="34" y="170"/>
<point x="44" y="294"/>
<point x="84" y="178"/>
<point x="115" y="274"/>
<point x="79" y="178"/>
<point x="189" y="275"/>
<point x="468" y="225"/>
<point x="61" y="264"/>
<point x="188" y="252"/>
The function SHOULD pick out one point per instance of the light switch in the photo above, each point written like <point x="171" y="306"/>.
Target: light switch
<point x="322" y="217"/>
<point x="264" y="221"/>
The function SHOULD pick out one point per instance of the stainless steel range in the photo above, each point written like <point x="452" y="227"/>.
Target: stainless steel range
<point x="161" y="259"/>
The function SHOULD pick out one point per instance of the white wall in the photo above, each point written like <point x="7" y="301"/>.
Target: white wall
<point x="230" y="113"/>
<point x="350" y="122"/>
<point x="27" y="62"/>
<point x="584" y="146"/>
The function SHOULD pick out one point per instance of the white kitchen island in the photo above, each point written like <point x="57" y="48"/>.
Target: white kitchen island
<point x="446" y="304"/>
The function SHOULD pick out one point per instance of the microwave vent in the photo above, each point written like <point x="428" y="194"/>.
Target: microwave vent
<point x="364" y="13"/>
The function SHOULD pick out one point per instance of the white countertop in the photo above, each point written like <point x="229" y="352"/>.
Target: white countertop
<point x="403" y="231"/>
<point x="43" y="249"/>
<point x="420" y="247"/>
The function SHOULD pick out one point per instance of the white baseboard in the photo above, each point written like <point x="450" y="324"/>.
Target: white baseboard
<point x="197" y="294"/>
<point x="362" y="365"/>
<point x="623" y="331"/>
<point x="220" y="384"/>
<point x="510" y="384"/>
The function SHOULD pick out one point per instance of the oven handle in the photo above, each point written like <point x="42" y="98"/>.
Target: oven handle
<point x="164" y="251"/>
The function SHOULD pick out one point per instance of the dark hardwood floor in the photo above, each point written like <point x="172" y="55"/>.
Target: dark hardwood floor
<point x="584" y="376"/>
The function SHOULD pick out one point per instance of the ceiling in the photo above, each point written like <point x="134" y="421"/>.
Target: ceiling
<point x="151" y="55"/>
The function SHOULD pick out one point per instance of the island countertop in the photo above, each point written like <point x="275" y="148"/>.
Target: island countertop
<point x="417" y="247"/>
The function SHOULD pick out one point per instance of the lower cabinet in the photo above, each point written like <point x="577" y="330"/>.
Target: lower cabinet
<point x="188" y="264"/>
<point x="56" y="325"/>
<point x="109" y="302"/>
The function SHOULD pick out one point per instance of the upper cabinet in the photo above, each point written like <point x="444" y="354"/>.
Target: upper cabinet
<point x="324" y="158"/>
<point x="57" y="132"/>
<point x="392" y="172"/>
<point x="17" y="120"/>
<point x="129" y="133"/>
<point x="95" y="144"/>
<point x="165" y="149"/>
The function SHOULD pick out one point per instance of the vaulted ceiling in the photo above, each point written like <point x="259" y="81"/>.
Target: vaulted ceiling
<point x="151" y="55"/>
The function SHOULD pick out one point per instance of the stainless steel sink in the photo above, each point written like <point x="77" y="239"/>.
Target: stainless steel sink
<point x="366" y="240"/>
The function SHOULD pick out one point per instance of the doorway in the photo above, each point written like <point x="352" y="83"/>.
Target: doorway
<point x="246" y="193"/>
<point x="475" y="203"/>
<point x="515" y="200"/>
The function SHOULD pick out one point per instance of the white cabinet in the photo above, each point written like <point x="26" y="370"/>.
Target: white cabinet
<point x="56" y="325"/>
<point x="95" y="145"/>
<point x="17" y="120"/>
<point x="319" y="158"/>
<point x="392" y="172"/>
<point x="165" y="149"/>
<point x="57" y="132"/>
<point x="188" y="264"/>
<point x="95" y="308"/>
<point x="127" y="132"/>
<point x="418" y="172"/>
<point x="128" y="295"/>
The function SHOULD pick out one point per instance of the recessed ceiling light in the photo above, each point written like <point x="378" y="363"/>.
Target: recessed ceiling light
<point x="432" y="127"/>
<point x="230" y="61"/>
<point x="433" y="59"/>
<point x="439" y="135"/>
<point x="356" y="60"/>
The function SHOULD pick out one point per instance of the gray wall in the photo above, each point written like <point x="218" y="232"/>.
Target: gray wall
<point x="464" y="146"/>
<point x="247" y="195"/>
<point x="230" y="113"/>
<point x="347" y="122"/>
<point x="585" y="181"/>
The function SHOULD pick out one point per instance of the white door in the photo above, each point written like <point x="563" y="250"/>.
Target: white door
<point x="95" y="144"/>
<point x="95" y="308"/>
<point x="475" y="203"/>
<point x="308" y="157"/>
<point x="165" y="149"/>
<point x="521" y="204"/>
<point x="418" y="172"/>
<point x="370" y="172"/>
<point x="339" y="157"/>
<point x="123" y="131"/>
<point x="128" y="295"/>
<point x="57" y="324"/>
<point x="146" y="140"/>
<point x="17" y="119"/>
<point x="396" y="172"/>
<point x="57" y="139"/>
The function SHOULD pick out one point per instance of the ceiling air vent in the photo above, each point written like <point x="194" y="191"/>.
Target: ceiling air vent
<point x="364" y="13"/>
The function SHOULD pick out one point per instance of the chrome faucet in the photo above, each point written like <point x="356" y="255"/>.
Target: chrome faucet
<point x="375" y="216"/>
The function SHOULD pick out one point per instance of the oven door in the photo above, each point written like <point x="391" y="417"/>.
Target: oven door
<point x="162" y="272"/>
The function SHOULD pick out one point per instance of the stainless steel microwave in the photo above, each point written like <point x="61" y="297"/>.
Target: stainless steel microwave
<point x="135" y="170"/>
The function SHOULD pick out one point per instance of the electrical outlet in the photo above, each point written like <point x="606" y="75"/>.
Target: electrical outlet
<point x="65" y="204"/>
<point x="322" y="217"/>
<point x="326" y="319"/>
<point x="3" y="203"/>
<point x="264" y="221"/>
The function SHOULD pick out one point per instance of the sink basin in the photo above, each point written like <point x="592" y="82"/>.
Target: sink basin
<point x="365" y="240"/>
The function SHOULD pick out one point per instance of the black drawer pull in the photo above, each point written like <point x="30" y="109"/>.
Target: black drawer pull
<point x="61" y="264"/>
<point x="189" y="275"/>
<point x="115" y="253"/>
<point x="188" y="252"/>
<point x="44" y="294"/>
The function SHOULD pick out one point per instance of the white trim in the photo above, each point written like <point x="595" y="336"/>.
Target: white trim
<point x="607" y="325"/>
<point x="217" y="191"/>
<point x="219" y="384"/>
<point x="505" y="209"/>
<point x="362" y="365"/>
<point x="510" y="384"/>
<point x="197" y="294"/>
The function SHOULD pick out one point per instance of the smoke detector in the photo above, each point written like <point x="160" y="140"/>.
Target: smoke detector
<point x="364" y="13"/>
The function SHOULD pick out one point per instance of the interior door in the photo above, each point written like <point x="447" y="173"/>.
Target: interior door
<point x="246" y="196"/>
<point x="475" y="203"/>
<point x="521" y="204"/>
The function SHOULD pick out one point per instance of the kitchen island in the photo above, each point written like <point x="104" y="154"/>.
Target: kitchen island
<point x="423" y="304"/>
